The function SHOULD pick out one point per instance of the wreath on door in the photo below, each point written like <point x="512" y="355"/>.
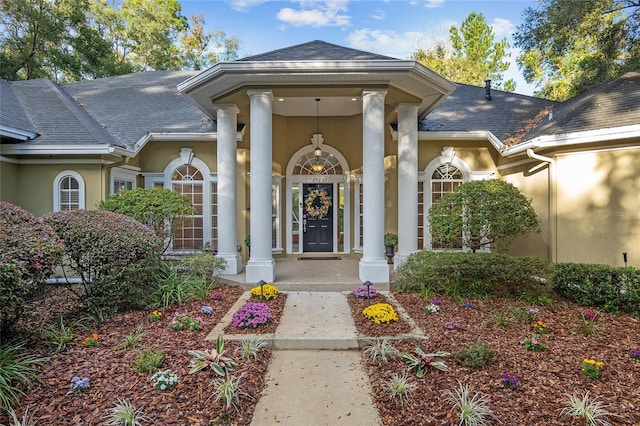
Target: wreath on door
<point x="317" y="203"/>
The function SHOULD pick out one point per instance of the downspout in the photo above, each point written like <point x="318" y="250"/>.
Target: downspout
<point x="552" y="204"/>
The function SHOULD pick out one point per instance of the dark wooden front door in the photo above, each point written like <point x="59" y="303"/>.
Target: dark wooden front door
<point x="317" y="225"/>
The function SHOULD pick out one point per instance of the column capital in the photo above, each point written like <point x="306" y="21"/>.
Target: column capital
<point x="252" y="93"/>
<point x="227" y="107"/>
<point x="374" y="92"/>
<point x="406" y="107"/>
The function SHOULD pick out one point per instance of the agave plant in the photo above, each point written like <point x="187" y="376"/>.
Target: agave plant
<point x="423" y="360"/>
<point x="212" y="358"/>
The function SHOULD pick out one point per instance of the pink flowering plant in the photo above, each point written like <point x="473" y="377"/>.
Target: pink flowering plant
<point x="217" y="297"/>
<point x="452" y="325"/>
<point x="533" y="344"/>
<point x="588" y="316"/>
<point x="185" y="322"/>
<point x="251" y="315"/>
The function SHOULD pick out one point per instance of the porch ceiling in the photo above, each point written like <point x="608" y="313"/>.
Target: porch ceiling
<point x="296" y="85"/>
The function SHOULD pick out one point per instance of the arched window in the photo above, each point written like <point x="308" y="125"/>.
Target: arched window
<point x="68" y="191"/>
<point x="189" y="181"/>
<point x="442" y="175"/>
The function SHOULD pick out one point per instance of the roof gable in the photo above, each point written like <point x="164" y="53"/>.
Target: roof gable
<point x="316" y="50"/>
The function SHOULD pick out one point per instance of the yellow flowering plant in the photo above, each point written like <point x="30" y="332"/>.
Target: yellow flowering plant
<point x="591" y="368"/>
<point x="266" y="291"/>
<point x="380" y="313"/>
<point x="155" y="316"/>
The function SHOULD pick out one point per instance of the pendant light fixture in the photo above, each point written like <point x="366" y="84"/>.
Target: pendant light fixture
<point x="317" y="152"/>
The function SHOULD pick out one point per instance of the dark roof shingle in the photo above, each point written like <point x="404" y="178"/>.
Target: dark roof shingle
<point x="317" y="50"/>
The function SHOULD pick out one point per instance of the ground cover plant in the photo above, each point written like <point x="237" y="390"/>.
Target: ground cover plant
<point x="518" y="386"/>
<point x="90" y="385"/>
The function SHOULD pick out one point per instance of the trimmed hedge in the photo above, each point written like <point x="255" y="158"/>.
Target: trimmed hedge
<point x="29" y="251"/>
<point x="108" y="251"/>
<point x="615" y="289"/>
<point x="471" y="273"/>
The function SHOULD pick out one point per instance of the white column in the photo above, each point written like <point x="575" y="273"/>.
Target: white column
<point x="407" y="182"/>
<point x="261" y="265"/>
<point x="373" y="266"/>
<point x="227" y="120"/>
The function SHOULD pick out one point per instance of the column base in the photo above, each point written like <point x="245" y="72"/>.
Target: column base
<point x="376" y="271"/>
<point x="257" y="270"/>
<point x="234" y="264"/>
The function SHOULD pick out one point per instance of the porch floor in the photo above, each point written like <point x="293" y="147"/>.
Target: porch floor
<point x="294" y="274"/>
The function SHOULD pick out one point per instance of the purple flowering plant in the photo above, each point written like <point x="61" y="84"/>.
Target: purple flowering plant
<point x="78" y="385"/>
<point x="509" y="381"/>
<point x="451" y="325"/>
<point x="436" y="302"/>
<point x="251" y="315"/>
<point x="207" y="310"/>
<point x="469" y="305"/>
<point x="361" y="292"/>
<point x="635" y="354"/>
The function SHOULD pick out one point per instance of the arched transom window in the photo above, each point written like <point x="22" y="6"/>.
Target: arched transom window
<point x="324" y="164"/>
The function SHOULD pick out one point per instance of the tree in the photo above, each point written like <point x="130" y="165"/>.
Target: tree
<point x="160" y="209"/>
<point x="69" y="40"/>
<point x="200" y="49"/>
<point x="479" y="214"/>
<point x="471" y="55"/>
<point x="570" y="46"/>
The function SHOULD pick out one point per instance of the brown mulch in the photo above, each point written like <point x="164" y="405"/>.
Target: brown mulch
<point x="368" y="328"/>
<point x="111" y="376"/>
<point x="275" y="305"/>
<point x="546" y="377"/>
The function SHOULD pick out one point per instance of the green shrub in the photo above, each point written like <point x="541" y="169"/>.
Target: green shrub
<point x="29" y="251"/>
<point x="472" y="274"/>
<point x="610" y="288"/>
<point x="477" y="355"/>
<point x="160" y="209"/>
<point x="149" y="360"/>
<point x="17" y="372"/>
<point x="106" y="250"/>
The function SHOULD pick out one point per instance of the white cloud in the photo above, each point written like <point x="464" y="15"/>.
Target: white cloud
<point x="433" y="3"/>
<point x="389" y="43"/>
<point x="378" y="14"/>
<point x="243" y="5"/>
<point x="316" y="14"/>
<point x="503" y="27"/>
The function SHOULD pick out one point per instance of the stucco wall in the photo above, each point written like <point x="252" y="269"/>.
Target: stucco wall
<point x="155" y="156"/>
<point x="532" y="179"/>
<point x="8" y="182"/>
<point x="599" y="207"/>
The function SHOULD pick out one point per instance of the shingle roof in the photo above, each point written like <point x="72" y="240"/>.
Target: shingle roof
<point x="613" y="104"/>
<point x="12" y="113"/>
<point x="466" y="109"/>
<point x="56" y="117"/>
<point x="132" y="105"/>
<point x="317" y="50"/>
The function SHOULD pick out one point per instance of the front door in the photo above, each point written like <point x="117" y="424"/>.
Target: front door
<point x="317" y="214"/>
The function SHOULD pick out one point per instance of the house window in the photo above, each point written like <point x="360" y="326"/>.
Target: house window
<point x="188" y="180"/>
<point x="441" y="176"/>
<point x="214" y="216"/>
<point x="122" y="180"/>
<point x="276" y="238"/>
<point x="359" y="214"/>
<point x="68" y="191"/>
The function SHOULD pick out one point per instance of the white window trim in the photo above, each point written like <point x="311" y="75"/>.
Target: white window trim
<point x="56" y="189"/>
<point x="358" y="182"/>
<point x="277" y="182"/>
<point x="118" y="173"/>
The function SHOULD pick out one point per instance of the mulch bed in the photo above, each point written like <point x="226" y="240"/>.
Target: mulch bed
<point x="546" y="377"/>
<point x="111" y="376"/>
<point x="368" y="328"/>
<point x="275" y="305"/>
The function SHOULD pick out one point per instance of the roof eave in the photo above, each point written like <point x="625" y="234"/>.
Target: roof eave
<point x="16" y="133"/>
<point x="64" y="150"/>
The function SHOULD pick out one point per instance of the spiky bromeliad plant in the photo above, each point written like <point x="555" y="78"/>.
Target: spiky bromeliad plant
<point x="212" y="358"/>
<point x="423" y="360"/>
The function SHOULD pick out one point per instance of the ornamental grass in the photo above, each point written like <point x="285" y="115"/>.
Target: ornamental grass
<point x="380" y="313"/>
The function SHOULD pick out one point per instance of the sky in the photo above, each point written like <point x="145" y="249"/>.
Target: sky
<point x="394" y="28"/>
